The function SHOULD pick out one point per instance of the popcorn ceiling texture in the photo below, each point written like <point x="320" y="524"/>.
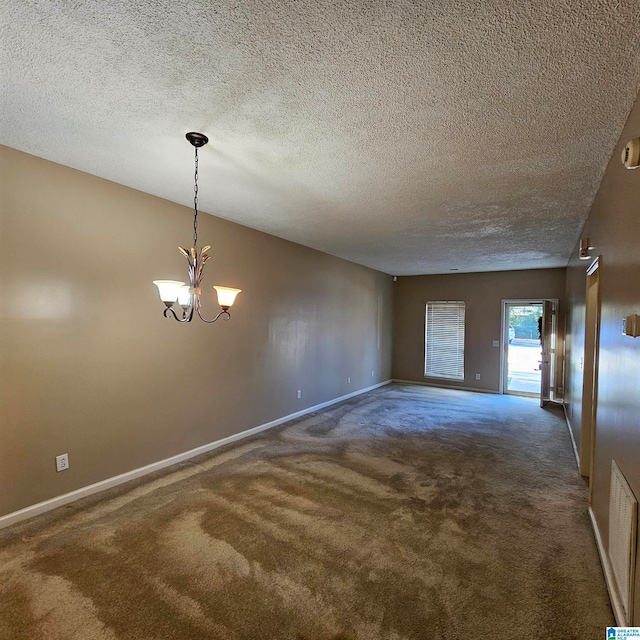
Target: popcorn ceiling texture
<point x="409" y="137"/>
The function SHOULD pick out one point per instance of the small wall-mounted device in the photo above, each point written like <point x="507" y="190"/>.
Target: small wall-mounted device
<point x="631" y="154"/>
<point x="631" y="326"/>
<point x="585" y="249"/>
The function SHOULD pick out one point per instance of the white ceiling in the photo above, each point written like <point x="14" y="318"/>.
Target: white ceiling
<point x="412" y="137"/>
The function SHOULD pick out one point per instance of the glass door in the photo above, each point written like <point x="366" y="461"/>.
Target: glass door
<point x="523" y="353"/>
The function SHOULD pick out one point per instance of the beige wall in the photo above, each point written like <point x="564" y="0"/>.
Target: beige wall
<point x="483" y="294"/>
<point x="89" y="366"/>
<point x="614" y="229"/>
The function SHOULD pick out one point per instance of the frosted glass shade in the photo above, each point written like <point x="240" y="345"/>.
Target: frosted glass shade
<point x="168" y="290"/>
<point x="226" y="296"/>
<point x="184" y="296"/>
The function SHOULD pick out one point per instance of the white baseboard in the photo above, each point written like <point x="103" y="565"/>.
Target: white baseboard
<point x="616" y="604"/>
<point x="573" y="442"/>
<point x="443" y="386"/>
<point x="59" y="501"/>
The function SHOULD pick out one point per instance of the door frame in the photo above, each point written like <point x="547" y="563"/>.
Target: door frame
<point x="548" y="351"/>
<point x="590" y="371"/>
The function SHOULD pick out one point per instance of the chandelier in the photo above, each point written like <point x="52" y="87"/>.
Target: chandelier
<point x="188" y="295"/>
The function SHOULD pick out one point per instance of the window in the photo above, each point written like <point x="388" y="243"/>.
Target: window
<point x="444" y="340"/>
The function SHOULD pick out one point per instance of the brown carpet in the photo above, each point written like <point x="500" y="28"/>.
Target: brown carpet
<point x="405" y="513"/>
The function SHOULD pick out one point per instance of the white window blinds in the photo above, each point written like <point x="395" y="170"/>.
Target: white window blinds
<point x="444" y="340"/>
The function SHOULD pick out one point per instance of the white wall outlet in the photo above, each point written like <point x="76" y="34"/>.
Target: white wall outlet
<point x="348" y="380"/>
<point x="496" y="343"/>
<point x="62" y="462"/>
<point x="477" y="376"/>
<point x="373" y="373"/>
<point x="299" y="394"/>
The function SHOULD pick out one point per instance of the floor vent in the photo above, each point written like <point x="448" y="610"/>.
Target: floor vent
<point x="623" y="519"/>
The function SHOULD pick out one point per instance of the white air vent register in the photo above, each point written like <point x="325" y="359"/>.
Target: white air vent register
<point x="623" y="518"/>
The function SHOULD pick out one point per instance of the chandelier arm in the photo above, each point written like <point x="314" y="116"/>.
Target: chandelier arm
<point x="224" y="314"/>
<point x="173" y="313"/>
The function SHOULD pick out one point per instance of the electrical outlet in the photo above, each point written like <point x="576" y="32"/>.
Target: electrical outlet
<point x="299" y="394"/>
<point x="348" y="380"/>
<point x="373" y="373"/>
<point x="62" y="462"/>
<point x="496" y="343"/>
<point x="477" y="376"/>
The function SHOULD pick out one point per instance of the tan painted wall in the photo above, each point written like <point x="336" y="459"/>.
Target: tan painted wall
<point x="89" y="366"/>
<point x="614" y="229"/>
<point x="483" y="294"/>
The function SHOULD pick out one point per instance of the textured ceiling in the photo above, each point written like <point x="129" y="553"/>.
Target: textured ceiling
<point x="412" y="137"/>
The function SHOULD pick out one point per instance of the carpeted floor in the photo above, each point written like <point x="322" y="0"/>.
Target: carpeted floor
<point x="406" y="513"/>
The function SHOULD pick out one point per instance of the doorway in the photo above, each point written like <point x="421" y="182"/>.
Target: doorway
<point x="521" y="370"/>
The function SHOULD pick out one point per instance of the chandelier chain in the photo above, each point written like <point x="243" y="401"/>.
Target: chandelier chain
<point x="195" y="203"/>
